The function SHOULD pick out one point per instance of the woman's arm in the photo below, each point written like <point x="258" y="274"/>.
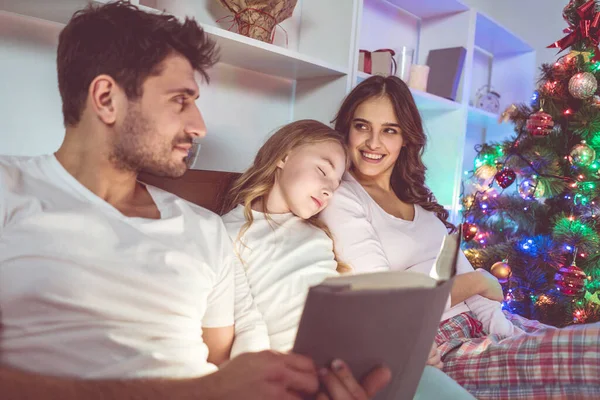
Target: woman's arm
<point x="473" y="283"/>
<point x="469" y="283"/>
<point x="488" y="311"/>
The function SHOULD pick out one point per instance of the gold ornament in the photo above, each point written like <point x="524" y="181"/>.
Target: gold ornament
<point x="507" y="113"/>
<point x="502" y="271"/>
<point x="582" y="155"/>
<point x="583" y="85"/>
<point x="486" y="172"/>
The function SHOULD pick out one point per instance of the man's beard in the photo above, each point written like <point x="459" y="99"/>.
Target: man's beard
<point x="138" y="147"/>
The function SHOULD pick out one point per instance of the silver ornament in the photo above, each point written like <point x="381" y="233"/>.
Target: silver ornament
<point x="527" y="188"/>
<point x="582" y="155"/>
<point x="583" y="85"/>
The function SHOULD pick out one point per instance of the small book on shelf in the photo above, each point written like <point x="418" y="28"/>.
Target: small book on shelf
<point x="383" y="318"/>
<point x="446" y="67"/>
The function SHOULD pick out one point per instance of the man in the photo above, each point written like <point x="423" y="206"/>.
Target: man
<point x="122" y="284"/>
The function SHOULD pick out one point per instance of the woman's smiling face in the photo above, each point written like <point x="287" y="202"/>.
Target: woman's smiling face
<point x="375" y="137"/>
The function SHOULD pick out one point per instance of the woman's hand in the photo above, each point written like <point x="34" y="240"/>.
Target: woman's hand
<point x="490" y="287"/>
<point x="340" y="384"/>
<point x="435" y="357"/>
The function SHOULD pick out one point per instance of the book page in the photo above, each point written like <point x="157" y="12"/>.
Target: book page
<point x="382" y="280"/>
<point x="445" y="263"/>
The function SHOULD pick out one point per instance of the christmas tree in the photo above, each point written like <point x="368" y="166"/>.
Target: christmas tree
<point x="533" y="204"/>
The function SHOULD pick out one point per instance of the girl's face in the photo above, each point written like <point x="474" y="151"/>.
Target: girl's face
<point x="375" y="138"/>
<point x="308" y="176"/>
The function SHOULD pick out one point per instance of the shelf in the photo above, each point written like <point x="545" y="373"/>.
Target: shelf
<point x="494" y="39"/>
<point x="361" y="76"/>
<point x="429" y="8"/>
<point x="483" y="51"/>
<point x="425" y="101"/>
<point x="480" y="117"/>
<point x="235" y="49"/>
<point x="254" y="55"/>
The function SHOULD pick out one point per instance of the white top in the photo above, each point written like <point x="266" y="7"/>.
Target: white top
<point x="88" y="292"/>
<point x="369" y="239"/>
<point x="283" y="258"/>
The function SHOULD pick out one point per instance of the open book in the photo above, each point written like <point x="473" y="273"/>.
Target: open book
<point x="388" y="318"/>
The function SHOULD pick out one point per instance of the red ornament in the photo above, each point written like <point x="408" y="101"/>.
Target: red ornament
<point x="587" y="30"/>
<point x="468" y="231"/>
<point x="570" y="280"/>
<point x="505" y="177"/>
<point x="540" y="124"/>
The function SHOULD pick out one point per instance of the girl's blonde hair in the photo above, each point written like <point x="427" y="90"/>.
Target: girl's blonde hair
<point x="258" y="180"/>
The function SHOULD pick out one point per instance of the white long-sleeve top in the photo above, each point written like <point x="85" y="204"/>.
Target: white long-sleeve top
<point x="282" y="259"/>
<point x="369" y="239"/>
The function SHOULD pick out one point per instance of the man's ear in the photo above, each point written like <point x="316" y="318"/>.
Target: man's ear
<point x="281" y="163"/>
<point x="105" y="98"/>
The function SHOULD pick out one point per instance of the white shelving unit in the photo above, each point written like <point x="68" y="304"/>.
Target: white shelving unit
<point x="311" y="66"/>
<point x="494" y="56"/>
<point x="425" y="101"/>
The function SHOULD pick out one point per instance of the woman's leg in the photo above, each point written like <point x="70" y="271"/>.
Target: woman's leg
<point x="527" y="325"/>
<point x="435" y="384"/>
<point x="548" y="363"/>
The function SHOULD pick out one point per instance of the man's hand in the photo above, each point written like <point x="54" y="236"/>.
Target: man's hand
<point x="264" y="376"/>
<point x="340" y="384"/>
<point x="435" y="358"/>
<point x="491" y="288"/>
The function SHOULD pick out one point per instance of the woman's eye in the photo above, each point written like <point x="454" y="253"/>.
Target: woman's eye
<point x="360" y="126"/>
<point x="392" y="131"/>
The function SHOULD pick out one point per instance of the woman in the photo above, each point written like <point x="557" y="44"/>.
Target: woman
<point x="384" y="217"/>
<point x="283" y="247"/>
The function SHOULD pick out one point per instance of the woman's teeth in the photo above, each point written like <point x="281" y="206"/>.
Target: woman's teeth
<point x="372" y="156"/>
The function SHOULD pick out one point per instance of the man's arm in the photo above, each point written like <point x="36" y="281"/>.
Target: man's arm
<point x="17" y="385"/>
<point x="251" y="332"/>
<point x="251" y="376"/>
<point x="219" y="341"/>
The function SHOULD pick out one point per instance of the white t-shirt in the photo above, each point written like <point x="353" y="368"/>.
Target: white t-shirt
<point x="369" y="239"/>
<point x="282" y="258"/>
<point x="88" y="292"/>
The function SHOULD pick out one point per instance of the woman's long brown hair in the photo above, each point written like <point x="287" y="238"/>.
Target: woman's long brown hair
<point x="408" y="174"/>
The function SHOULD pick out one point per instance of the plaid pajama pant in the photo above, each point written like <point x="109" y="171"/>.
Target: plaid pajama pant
<point x="544" y="363"/>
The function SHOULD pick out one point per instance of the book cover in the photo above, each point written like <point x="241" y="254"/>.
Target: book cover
<point x="384" y="318"/>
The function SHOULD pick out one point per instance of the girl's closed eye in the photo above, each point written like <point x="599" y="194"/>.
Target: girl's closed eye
<point x="322" y="171"/>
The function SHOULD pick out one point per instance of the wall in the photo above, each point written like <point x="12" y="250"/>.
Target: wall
<point x="538" y="22"/>
<point x="30" y="105"/>
<point x="30" y="115"/>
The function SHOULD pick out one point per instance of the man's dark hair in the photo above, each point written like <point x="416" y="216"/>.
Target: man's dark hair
<point x="120" y="40"/>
